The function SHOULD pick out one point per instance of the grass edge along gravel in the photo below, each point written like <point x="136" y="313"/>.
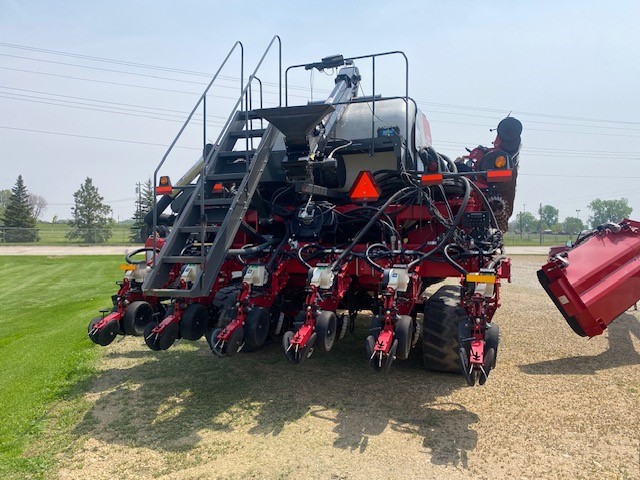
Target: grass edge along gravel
<point x="48" y="359"/>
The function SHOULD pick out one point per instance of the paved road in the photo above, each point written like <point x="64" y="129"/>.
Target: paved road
<point x="109" y="250"/>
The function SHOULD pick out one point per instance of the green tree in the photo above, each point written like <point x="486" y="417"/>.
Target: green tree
<point x="573" y="225"/>
<point x="4" y="199"/>
<point x="526" y="222"/>
<point x="91" y="222"/>
<point x="548" y="215"/>
<point x="604" y="211"/>
<point x="18" y="215"/>
<point x="144" y="203"/>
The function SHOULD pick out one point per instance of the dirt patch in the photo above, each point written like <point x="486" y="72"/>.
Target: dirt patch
<point x="557" y="406"/>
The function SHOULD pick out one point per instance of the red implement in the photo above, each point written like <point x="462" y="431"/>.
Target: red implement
<point x="596" y="280"/>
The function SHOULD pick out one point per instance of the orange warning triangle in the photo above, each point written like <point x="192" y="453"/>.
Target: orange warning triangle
<point x="364" y="189"/>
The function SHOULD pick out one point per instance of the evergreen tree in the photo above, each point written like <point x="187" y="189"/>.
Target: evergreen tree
<point x="144" y="203"/>
<point x="91" y="222"/>
<point x="18" y="216"/>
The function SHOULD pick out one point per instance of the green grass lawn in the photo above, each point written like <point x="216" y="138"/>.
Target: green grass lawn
<point x="533" y="239"/>
<point x="45" y="353"/>
<point x="54" y="234"/>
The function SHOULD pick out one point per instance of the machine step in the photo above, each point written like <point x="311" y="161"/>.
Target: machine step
<point x="236" y="154"/>
<point x="225" y="177"/>
<point x="247" y="133"/>
<point x="184" y="259"/>
<point x="198" y="229"/>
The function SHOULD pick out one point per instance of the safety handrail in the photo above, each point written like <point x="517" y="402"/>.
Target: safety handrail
<point x="373" y="94"/>
<point x="213" y="152"/>
<point x="201" y="100"/>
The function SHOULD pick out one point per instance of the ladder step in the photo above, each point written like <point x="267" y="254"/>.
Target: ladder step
<point x="216" y="202"/>
<point x="257" y="132"/>
<point x="224" y="177"/>
<point x="198" y="229"/>
<point x="236" y="154"/>
<point x="184" y="259"/>
<point x="247" y="115"/>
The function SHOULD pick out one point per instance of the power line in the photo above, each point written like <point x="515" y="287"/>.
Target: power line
<point x="532" y="114"/>
<point x="110" y="70"/>
<point x="120" y="140"/>
<point x="527" y="150"/>
<point x="137" y="65"/>
<point x="208" y="75"/>
<point x="214" y="124"/>
<point x="122" y="84"/>
<point x="106" y="101"/>
<point x="545" y="130"/>
<point x="232" y="98"/>
<point x="535" y="121"/>
<point x="575" y="176"/>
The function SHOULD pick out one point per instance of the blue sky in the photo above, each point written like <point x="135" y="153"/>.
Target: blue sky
<point x="567" y="69"/>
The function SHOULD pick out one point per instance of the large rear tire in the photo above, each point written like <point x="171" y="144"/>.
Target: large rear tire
<point x="224" y="304"/>
<point x="442" y="314"/>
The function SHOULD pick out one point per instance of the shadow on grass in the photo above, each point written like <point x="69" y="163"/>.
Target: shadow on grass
<point x="165" y="403"/>
<point x="620" y="352"/>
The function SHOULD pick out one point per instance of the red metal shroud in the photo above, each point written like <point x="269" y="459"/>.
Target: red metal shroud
<point x="597" y="280"/>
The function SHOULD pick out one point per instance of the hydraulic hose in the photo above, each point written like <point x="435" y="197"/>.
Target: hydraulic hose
<point x="373" y="264"/>
<point x="452" y="229"/>
<point x="278" y="249"/>
<point x="486" y="204"/>
<point x="452" y="262"/>
<point x="251" y="250"/>
<point x="372" y="221"/>
<point x="492" y="264"/>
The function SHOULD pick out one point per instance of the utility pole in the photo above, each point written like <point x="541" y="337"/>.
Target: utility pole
<point x="139" y="206"/>
<point x="540" y="213"/>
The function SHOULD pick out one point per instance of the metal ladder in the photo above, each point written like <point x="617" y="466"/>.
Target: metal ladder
<point x="214" y="219"/>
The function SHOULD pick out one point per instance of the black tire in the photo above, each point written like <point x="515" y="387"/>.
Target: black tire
<point x="150" y="338"/>
<point x="442" y="314"/>
<point x="224" y="304"/>
<point x="256" y="327"/>
<point x="326" y="328"/>
<point x="375" y="327"/>
<point x="135" y="318"/>
<point x="194" y="321"/>
<point x="489" y="360"/>
<point x="404" y="334"/>
<point x="106" y="334"/>
<point x="492" y="339"/>
<point x="212" y="339"/>
<point x="235" y="342"/>
<point x="168" y="336"/>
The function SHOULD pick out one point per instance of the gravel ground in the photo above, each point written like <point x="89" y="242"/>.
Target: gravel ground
<point x="557" y="406"/>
